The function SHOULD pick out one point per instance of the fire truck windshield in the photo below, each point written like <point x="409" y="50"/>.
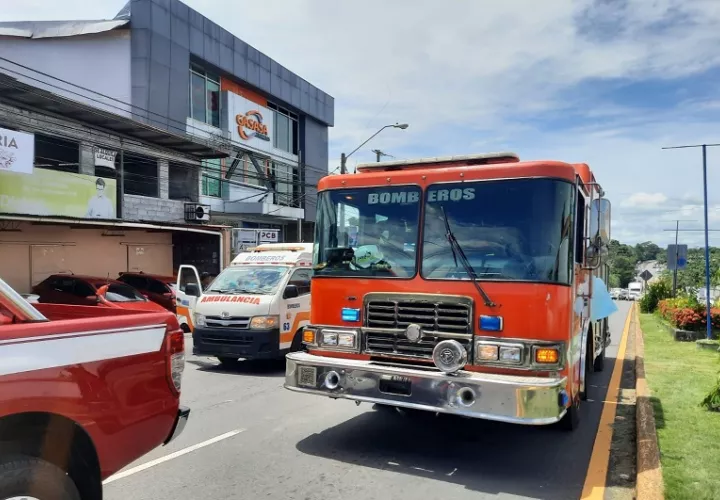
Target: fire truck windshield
<point x="515" y="229"/>
<point x="369" y="232"/>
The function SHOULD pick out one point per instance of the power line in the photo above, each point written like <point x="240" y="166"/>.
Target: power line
<point x="182" y="129"/>
<point x="140" y="157"/>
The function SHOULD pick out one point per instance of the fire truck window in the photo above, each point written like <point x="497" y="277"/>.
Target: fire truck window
<point x="580" y="229"/>
<point x="515" y="229"/>
<point x="370" y="232"/>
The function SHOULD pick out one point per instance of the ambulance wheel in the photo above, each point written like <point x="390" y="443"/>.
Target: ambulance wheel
<point x="297" y="344"/>
<point x="571" y="420"/>
<point x="228" y="362"/>
<point x="22" y="476"/>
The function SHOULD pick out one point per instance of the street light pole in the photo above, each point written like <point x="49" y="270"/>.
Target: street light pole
<point x="344" y="157"/>
<point x="707" y="237"/>
<point x="707" y="245"/>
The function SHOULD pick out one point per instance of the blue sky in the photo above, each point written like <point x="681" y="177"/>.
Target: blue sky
<point x="607" y="82"/>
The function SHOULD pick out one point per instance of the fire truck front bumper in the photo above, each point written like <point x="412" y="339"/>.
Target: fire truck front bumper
<point x="505" y="398"/>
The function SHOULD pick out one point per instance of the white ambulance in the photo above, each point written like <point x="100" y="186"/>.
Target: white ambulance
<point x="255" y="308"/>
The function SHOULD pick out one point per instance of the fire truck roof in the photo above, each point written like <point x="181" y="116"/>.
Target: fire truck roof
<point x="474" y="159"/>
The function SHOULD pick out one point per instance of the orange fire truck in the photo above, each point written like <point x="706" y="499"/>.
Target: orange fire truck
<point x="458" y="285"/>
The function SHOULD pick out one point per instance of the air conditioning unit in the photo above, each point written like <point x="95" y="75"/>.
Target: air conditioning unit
<point x="194" y="212"/>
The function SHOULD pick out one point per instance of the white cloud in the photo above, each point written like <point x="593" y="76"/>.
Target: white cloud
<point x="483" y="76"/>
<point x="645" y="200"/>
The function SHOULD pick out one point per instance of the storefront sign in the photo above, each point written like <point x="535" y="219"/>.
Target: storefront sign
<point x="269" y="235"/>
<point x="105" y="157"/>
<point x="17" y="151"/>
<point x="52" y="193"/>
<point x="249" y="123"/>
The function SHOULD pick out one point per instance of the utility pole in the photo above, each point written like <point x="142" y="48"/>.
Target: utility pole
<point x="379" y="154"/>
<point x="707" y="237"/>
<point x="343" y="162"/>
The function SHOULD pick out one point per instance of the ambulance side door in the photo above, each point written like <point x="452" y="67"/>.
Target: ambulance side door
<point x="295" y="306"/>
<point x="188" y="291"/>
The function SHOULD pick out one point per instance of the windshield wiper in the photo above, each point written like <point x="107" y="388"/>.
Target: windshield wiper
<point x="458" y="251"/>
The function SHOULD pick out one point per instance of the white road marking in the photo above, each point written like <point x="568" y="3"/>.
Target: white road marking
<point x="171" y="456"/>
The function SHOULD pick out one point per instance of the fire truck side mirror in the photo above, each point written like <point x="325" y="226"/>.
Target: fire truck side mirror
<point x="600" y="222"/>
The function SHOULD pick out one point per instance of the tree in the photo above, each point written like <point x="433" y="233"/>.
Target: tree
<point x="647" y="251"/>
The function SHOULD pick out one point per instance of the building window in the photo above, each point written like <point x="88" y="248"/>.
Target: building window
<point x="180" y="182"/>
<point x="141" y="175"/>
<point x="212" y="173"/>
<point x="204" y="96"/>
<point x="57" y="154"/>
<point x="285" y="134"/>
<point x="285" y="177"/>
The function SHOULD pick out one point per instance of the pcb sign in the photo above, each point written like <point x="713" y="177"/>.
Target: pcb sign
<point x="17" y="152"/>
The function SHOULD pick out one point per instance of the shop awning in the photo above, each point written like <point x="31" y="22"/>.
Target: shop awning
<point x="215" y="230"/>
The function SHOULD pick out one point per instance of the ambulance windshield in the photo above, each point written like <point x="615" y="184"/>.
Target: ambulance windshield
<point x="370" y="232"/>
<point x="252" y="279"/>
<point x="510" y="230"/>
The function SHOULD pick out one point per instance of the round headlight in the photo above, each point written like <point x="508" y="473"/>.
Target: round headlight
<point x="449" y="356"/>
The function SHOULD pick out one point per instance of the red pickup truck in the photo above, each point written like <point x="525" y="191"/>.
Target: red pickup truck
<point x="84" y="391"/>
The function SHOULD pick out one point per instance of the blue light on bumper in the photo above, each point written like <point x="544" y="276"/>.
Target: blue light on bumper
<point x="348" y="314"/>
<point x="491" y="323"/>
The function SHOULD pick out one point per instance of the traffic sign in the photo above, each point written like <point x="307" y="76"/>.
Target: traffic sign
<point x="676" y="257"/>
<point x="646" y="275"/>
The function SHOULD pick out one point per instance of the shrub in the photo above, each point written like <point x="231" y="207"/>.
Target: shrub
<point x="655" y="292"/>
<point x="712" y="400"/>
<point x="686" y="314"/>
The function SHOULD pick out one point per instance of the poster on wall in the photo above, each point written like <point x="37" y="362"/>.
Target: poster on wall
<point x="105" y="157"/>
<point x="17" y="151"/>
<point x="53" y="193"/>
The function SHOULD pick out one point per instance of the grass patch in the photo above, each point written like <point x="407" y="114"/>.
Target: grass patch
<point x="680" y="376"/>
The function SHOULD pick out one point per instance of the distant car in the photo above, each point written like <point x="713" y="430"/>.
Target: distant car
<point x="91" y="291"/>
<point x="158" y="288"/>
<point x="623" y="295"/>
<point x="615" y="293"/>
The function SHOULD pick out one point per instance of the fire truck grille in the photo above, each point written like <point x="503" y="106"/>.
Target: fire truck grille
<point x="387" y="318"/>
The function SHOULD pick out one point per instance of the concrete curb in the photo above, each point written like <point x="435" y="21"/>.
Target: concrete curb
<point x="649" y="472"/>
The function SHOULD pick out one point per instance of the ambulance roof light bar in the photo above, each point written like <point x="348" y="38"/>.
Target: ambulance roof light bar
<point x="446" y="161"/>
<point x="281" y="247"/>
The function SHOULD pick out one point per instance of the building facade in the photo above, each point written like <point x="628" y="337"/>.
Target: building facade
<point x="165" y="65"/>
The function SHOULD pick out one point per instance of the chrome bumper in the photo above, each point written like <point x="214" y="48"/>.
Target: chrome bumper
<point x="513" y="399"/>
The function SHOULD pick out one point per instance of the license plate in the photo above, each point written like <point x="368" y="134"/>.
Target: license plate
<point x="307" y="376"/>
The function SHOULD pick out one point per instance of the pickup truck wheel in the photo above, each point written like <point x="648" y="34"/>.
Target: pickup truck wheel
<point x="31" y="478"/>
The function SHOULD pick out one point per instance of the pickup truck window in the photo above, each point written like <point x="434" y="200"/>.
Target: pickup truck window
<point x="123" y="293"/>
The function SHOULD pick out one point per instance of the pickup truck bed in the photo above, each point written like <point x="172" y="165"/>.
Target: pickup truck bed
<point x="90" y="390"/>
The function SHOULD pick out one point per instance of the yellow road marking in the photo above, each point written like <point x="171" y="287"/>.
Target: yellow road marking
<point x="594" y="488"/>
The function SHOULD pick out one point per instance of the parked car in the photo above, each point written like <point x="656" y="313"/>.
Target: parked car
<point x="80" y="290"/>
<point x="158" y="288"/>
<point x="77" y="400"/>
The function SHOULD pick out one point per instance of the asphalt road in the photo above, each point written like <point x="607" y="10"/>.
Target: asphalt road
<point x="293" y="446"/>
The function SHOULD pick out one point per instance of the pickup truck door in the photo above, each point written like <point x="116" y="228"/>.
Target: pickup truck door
<point x="188" y="291"/>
